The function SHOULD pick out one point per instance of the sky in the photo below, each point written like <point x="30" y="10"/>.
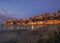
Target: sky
<point x="28" y="8"/>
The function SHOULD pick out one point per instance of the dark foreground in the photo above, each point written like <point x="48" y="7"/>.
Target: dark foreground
<point x="48" y="34"/>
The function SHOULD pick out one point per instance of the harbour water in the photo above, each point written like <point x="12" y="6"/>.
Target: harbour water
<point x="17" y="27"/>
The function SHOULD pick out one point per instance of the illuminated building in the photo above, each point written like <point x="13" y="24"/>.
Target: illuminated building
<point x="20" y="22"/>
<point x="9" y="22"/>
<point x="47" y="18"/>
<point x="38" y="21"/>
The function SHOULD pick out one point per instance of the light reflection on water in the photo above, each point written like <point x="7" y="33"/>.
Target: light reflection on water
<point x="20" y="27"/>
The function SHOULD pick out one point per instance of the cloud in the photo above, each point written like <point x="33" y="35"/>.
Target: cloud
<point x="4" y="11"/>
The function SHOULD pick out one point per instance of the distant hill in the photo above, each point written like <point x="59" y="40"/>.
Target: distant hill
<point x="46" y="16"/>
<point x="3" y="18"/>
